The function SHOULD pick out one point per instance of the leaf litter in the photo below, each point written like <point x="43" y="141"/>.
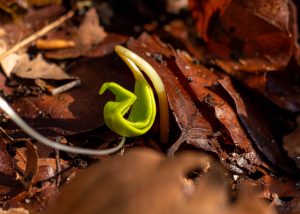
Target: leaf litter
<point x="233" y="91"/>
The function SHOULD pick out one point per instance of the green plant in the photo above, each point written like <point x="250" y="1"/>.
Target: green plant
<point x="142" y="102"/>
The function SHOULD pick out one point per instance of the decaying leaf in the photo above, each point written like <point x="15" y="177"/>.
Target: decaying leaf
<point x="38" y="68"/>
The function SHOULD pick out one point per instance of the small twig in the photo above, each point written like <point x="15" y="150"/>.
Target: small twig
<point x="37" y="34"/>
<point x="42" y="139"/>
<point x="58" y="167"/>
<point x="6" y="135"/>
<point x="66" y="87"/>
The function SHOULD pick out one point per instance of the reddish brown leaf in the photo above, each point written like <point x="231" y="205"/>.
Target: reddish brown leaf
<point x="191" y="100"/>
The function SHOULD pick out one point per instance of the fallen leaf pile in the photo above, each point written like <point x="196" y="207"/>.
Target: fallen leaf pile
<point x="232" y="75"/>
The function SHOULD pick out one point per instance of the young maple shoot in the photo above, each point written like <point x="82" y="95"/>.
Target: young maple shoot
<point x="141" y="103"/>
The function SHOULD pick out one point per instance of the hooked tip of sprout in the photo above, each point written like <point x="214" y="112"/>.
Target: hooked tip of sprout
<point x="143" y="107"/>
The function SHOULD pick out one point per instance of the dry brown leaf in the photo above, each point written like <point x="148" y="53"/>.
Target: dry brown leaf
<point x="38" y="68"/>
<point x="14" y="211"/>
<point x="200" y="107"/>
<point x="90" y="32"/>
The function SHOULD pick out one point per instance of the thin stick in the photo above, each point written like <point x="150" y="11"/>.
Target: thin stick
<point x="37" y="35"/>
<point x="58" y="167"/>
<point x="66" y="87"/>
<point x="42" y="139"/>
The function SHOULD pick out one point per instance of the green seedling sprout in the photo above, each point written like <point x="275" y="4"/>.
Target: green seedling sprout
<point x="143" y="119"/>
<point x="141" y="102"/>
<point x="42" y="139"/>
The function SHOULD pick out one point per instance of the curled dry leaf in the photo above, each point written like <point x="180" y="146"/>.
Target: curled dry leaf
<point x="35" y="168"/>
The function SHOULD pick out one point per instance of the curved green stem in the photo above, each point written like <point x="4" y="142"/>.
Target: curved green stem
<point x="135" y="62"/>
<point x="141" y="104"/>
